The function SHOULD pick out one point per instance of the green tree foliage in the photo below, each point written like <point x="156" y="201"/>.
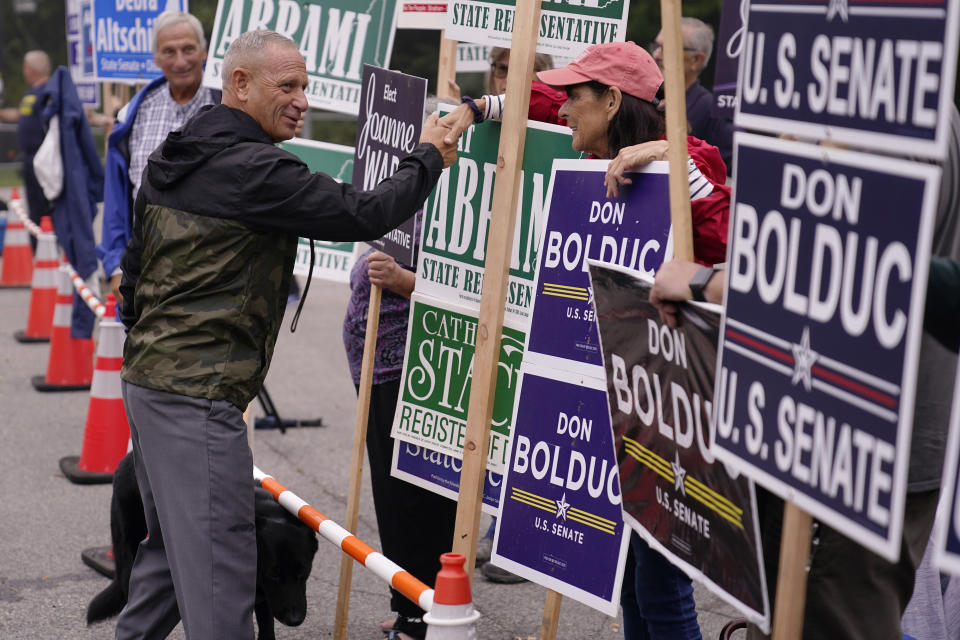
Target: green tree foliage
<point x="43" y="29"/>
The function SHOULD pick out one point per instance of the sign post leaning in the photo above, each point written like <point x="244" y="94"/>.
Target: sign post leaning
<point x="490" y="323"/>
<point x="394" y="98"/>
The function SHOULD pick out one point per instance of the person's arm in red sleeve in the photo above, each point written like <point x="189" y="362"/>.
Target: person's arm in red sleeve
<point x="709" y="202"/>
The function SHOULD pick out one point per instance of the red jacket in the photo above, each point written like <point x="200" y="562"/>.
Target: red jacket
<point x="711" y="213"/>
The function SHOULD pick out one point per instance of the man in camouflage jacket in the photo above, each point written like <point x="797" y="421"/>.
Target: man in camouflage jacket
<point x="205" y="281"/>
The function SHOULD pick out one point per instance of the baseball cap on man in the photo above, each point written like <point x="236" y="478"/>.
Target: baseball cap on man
<point x="619" y="64"/>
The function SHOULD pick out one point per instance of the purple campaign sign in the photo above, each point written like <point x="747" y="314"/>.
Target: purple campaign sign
<point x="947" y="549"/>
<point x="631" y="231"/>
<point x="877" y="74"/>
<point x="388" y="129"/>
<point x="729" y="44"/>
<point x="561" y="522"/>
<point x="440" y="473"/>
<point x="826" y="273"/>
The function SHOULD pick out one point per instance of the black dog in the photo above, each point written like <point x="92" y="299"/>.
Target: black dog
<point x="285" y="550"/>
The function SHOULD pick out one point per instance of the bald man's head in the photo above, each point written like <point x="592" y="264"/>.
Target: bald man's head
<point x="264" y="76"/>
<point x="36" y="67"/>
<point x="247" y="52"/>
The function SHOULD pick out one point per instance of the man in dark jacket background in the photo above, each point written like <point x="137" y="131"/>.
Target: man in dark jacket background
<point x="205" y="282"/>
<point x="30" y="129"/>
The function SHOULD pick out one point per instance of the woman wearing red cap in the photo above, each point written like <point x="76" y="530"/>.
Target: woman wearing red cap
<point x="613" y="97"/>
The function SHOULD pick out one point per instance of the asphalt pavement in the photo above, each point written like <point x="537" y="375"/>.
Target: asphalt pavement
<point x="46" y="521"/>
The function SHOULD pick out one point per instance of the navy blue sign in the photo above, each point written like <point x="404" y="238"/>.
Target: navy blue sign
<point x="727" y="60"/>
<point x="388" y="129"/>
<point x="561" y="523"/>
<point x="827" y="264"/>
<point x="947" y="550"/>
<point x="123" y="30"/>
<point x="440" y="473"/>
<point x="877" y="74"/>
<point x="631" y="231"/>
<point x="79" y="15"/>
<point x="660" y="392"/>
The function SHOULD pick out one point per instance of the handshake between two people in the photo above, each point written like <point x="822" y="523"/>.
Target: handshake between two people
<point x="444" y="133"/>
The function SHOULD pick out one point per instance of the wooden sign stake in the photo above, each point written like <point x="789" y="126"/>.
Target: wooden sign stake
<point x="551" y="615"/>
<point x="503" y="214"/>
<point x="356" y="463"/>
<point x="674" y="88"/>
<point x="792" y="575"/>
<point x="447" y="67"/>
<point x="106" y="93"/>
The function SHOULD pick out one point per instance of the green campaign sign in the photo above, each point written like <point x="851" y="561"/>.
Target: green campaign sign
<point x="437" y="373"/>
<point x="567" y="27"/>
<point x="335" y="37"/>
<point x="332" y="260"/>
<point x="457" y="217"/>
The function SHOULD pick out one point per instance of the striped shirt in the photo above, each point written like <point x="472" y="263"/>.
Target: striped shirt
<point x="700" y="187"/>
<point x="158" y="115"/>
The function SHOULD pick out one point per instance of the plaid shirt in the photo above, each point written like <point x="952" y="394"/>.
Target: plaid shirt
<point x="158" y="115"/>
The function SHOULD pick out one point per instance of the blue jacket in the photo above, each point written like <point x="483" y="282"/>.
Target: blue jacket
<point x="117" y="206"/>
<point x="75" y="209"/>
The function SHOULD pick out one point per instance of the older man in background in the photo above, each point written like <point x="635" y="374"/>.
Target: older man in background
<point x="697" y="47"/>
<point x="164" y="105"/>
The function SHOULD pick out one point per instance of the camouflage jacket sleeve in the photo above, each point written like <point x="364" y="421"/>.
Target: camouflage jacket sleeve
<point x="130" y="264"/>
<point x="280" y="194"/>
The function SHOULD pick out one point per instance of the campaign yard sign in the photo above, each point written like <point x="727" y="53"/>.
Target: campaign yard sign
<point x="440" y="473"/>
<point x="388" y="129"/>
<point x="947" y="548"/>
<point x="561" y="523"/>
<point x="336" y="37"/>
<point x="660" y="394"/>
<point x="567" y="27"/>
<point x="422" y="14"/>
<point x="877" y="74"/>
<point x="727" y="60"/>
<point x="826" y="274"/>
<point x="79" y="15"/>
<point x="472" y="57"/>
<point x="457" y="216"/>
<point x="332" y="260"/>
<point x="583" y="224"/>
<point x="562" y="359"/>
<point x="436" y="377"/>
<point x="123" y="29"/>
<point x="476" y="58"/>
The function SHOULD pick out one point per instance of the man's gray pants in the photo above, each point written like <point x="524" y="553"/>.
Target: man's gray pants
<point x="199" y="561"/>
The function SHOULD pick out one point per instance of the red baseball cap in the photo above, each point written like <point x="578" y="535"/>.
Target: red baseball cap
<point x="618" y="64"/>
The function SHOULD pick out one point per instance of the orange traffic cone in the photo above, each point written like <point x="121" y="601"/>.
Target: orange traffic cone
<point x="43" y="292"/>
<point x="17" y="267"/>
<point x="106" y="433"/>
<point x="452" y="616"/>
<point x="70" y="367"/>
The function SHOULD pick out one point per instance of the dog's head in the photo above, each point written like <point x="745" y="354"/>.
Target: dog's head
<point x="285" y="550"/>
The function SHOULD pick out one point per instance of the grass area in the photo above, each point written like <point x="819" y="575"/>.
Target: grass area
<point x="10" y="176"/>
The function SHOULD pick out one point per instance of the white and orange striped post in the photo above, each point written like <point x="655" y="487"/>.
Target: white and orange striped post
<point x="84" y="291"/>
<point x="381" y="566"/>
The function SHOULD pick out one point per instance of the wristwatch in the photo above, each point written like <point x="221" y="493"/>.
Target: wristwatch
<point x="699" y="282"/>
